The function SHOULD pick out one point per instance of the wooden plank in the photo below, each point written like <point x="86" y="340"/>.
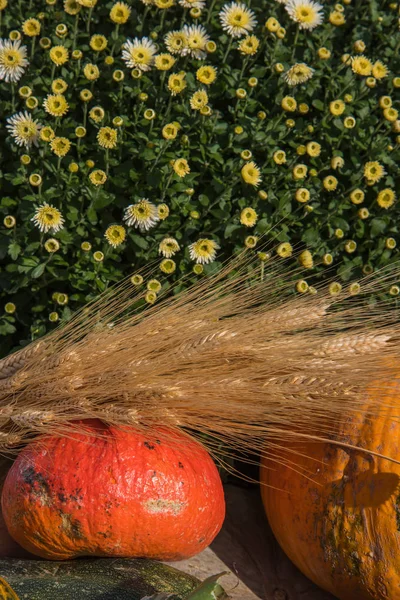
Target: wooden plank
<point x="246" y="546"/>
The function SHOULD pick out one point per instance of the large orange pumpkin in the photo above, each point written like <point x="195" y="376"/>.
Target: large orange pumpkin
<point x="122" y="493"/>
<point x="337" y="513"/>
<point x="8" y="547"/>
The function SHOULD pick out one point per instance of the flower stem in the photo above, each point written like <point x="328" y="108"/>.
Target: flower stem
<point x="33" y="46"/>
<point x="13" y="97"/>
<point x="210" y="10"/>
<point x="107" y="156"/>
<point x="166" y="186"/>
<point x="296" y="39"/>
<point x="75" y="32"/>
<point x="116" y="32"/>
<point x="227" y="51"/>
<point x="89" y="19"/>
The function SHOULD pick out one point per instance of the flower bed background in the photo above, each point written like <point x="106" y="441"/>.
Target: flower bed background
<point x="177" y="133"/>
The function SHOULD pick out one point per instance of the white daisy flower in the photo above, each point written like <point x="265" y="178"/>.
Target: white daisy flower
<point x="203" y="251"/>
<point x="192" y="4"/>
<point x="48" y="217"/>
<point x="236" y="19"/>
<point x="298" y="73"/>
<point x="307" y="13"/>
<point x="12" y="60"/>
<point x="24" y="129"/>
<point x="196" y="40"/>
<point x="139" y="54"/>
<point x="142" y="215"/>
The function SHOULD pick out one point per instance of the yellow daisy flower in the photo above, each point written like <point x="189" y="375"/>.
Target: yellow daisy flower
<point x="249" y="45"/>
<point x="164" y="62"/>
<point x="177" y="83"/>
<point x="87" y="3"/>
<point x="169" y="131"/>
<point x="59" y="86"/>
<point x="299" y="172"/>
<point x="107" y="137"/>
<point x="91" y="72"/>
<point x="248" y="217"/>
<point x="120" y="13"/>
<point x="115" y="235"/>
<point x="97" y="114"/>
<point x="164" y="4"/>
<point x="60" y="146"/>
<point x="198" y="100"/>
<point x="98" y="42"/>
<point x="337" y="107"/>
<point x="59" y="55"/>
<point x="361" y="65"/>
<point x="35" y="180"/>
<point x="31" y="27"/>
<point x="386" y="198"/>
<point x="168" y="266"/>
<point x="168" y="247"/>
<point x="289" y="104"/>
<point x="373" y="172"/>
<point x="251" y="174"/>
<point x="98" y="177"/>
<point x="52" y="245"/>
<point x="251" y="241"/>
<point x="337" y="18"/>
<point x="181" y="167"/>
<point x="72" y="7"/>
<point x="380" y="70"/>
<point x="56" y="105"/>
<point x="306" y="259"/>
<point x="302" y="195"/>
<point x="330" y="183"/>
<point x="162" y="211"/>
<point x="284" y="250"/>
<point x="279" y="157"/>
<point x="313" y="149"/>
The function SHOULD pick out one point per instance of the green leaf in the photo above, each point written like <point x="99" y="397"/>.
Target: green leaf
<point x="139" y="241"/>
<point x="230" y="228"/>
<point x="38" y="271"/>
<point x="318" y="104"/>
<point x="14" y="250"/>
<point x="378" y="226"/>
<point x="210" y="589"/>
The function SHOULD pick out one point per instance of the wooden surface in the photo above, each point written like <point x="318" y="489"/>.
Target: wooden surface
<point x="259" y="570"/>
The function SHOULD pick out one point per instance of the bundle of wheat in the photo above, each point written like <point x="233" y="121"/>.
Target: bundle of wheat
<point x="237" y="361"/>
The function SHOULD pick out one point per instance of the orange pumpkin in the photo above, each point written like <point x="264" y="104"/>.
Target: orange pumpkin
<point x="8" y="547"/>
<point x="119" y="494"/>
<point x="336" y="513"/>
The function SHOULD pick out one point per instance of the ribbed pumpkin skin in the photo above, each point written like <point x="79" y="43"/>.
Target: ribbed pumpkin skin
<point x="123" y="494"/>
<point x="341" y="527"/>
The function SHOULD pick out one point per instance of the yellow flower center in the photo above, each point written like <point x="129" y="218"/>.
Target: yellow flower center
<point x="305" y="14"/>
<point x="12" y="58"/>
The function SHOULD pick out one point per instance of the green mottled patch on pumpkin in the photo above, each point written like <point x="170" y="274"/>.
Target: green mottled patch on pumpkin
<point x="92" y="579"/>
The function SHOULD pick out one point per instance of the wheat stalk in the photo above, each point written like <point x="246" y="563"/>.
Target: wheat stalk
<point x="238" y="362"/>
